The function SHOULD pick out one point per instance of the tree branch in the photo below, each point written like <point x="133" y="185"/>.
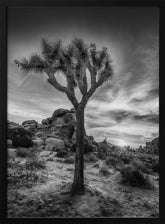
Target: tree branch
<point x="70" y="94"/>
<point x="90" y="92"/>
<point x="92" y="73"/>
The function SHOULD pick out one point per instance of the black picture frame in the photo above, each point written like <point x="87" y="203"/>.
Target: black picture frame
<point x="4" y="5"/>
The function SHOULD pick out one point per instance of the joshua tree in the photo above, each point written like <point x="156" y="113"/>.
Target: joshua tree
<point x="73" y="61"/>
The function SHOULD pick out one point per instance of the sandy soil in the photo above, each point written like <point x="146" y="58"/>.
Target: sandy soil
<point x="105" y="196"/>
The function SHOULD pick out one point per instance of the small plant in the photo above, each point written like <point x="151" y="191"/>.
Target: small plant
<point x="141" y="166"/>
<point x="104" y="171"/>
<point x="155" y="167"/>
<point x="115" y="162"/>
<point x="35" y="163"/>
<point x="111" y="161"/>
<point x="88" y="148"/>
<point x="62" y="154"/>
<point x="23" y="152"/>
<point x="125" y="160"/>
<point x="91" y="158"/>
<point x="69" y="160"/>
<point x="133" y="176"/>
<point x="96" y="165"/>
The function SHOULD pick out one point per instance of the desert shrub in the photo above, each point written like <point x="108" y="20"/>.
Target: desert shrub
<point x="22" y="141"/>
<point x="101" y="155"/>
<point x="104" y="171"/>
<point x="62" y="154"/>
<point x="50" y="159"/>
<point x="133" y="176"/>
<point x="69" y="160"/>
<point x="126" y="160"/>
<point x="12" y="133"/>
<point x="155" y="167"/>
<point x="35" y="163"/>
<point x="88" y="148"/>
<point x="115" y="162"/>
<point x="141" y="166"/>
<point x="91" y="158"/>
<point x="96" y="165"/>
<point x="23" y="152"/>
<point x="111" y="161"/>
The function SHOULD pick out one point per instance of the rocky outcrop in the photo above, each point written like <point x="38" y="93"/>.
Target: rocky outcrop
<point x="54" y="144"/>
<point x="153" y="146"/>
<point x="30" y="125"/>
<point x="150" y="147"/>
<point x="38" y="142"/>
<point x="57" y="132"/>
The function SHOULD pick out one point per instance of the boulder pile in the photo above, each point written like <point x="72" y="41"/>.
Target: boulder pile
<point x="55" y="133"/>
<point x="150" y="147"/>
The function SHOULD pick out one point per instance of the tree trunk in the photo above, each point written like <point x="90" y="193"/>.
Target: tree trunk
<point x="78" y="182"/>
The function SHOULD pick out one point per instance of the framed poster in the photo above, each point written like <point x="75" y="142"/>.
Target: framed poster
<point x="82" y="110"/>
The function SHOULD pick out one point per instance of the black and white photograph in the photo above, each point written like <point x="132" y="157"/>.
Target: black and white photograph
<point x="83" y="112"/>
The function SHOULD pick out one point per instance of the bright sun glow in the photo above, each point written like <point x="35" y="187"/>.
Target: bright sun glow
<point x="122" y="142"/>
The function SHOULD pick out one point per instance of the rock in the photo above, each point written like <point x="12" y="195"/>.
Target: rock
<point x="12" y="153"/>
<point x="40" y="127"/>
<point x="46" y="121"/>
<point x="12" y="124"/>
<point x="89" y="139"/>
<point x="9" y="143"/>
<point x="50" y="148"/>
<point x="41" y="147"/>
<point x="69" y="118"/>
<point x="38" y="142"/>
<point x="65" y="131"/>
<point x="54" y="143"/>
<point x="59" y="113"/>
<point x="73" y="110"/>
<point x="45" y="154"/>
<point x="39" y="134"/>
<point x="151" y="147"/>
<point x="57" y="122"/>
<point x="30" y="124"/>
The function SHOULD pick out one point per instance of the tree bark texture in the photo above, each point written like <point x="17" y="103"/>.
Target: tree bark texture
<point x="78" y="182"/>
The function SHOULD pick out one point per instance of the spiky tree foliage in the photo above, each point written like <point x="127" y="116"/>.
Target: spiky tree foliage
<point x="73" y="61"/>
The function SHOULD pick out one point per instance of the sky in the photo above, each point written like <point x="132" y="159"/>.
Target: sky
<point x="124" y="110"/>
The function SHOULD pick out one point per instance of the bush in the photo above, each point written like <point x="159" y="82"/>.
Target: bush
<point x="141" y="166"/>
<point x="155" y="167"/>
<point x="133" y="176"/>
<point x="125" y="160"/>
<point x="104" y="171"/>
<point x="115" y="162"/>
<point x="13" y="133"/>
<point x="91" y="158"/>
<point x="88" y="148"/>
<point x="69" y="160"/>
<point x="62" y="154"/>
<point x="26" y="175"/>
<point x="96" y="165"/>
<point x="34" y="162"/>
<point x="23" y="152"/>
<point x="111" y="161"/>
<point x="22" y="141"/>
<point x="101" y="155"/>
